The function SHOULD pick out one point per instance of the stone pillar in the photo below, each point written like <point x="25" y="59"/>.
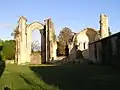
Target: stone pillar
<point x="104" y="26"/>
<point x="16" y="52"/>
<point x="22" y="28"/>
<point x="29" y="41"/>
<point x="51" y="44"/>
<point x="18" y="49"/>
<point x="46" y="41"/>
<point x="52" y="40"/>
<point x="55" y="50"/>
<point x="43" y="46"/>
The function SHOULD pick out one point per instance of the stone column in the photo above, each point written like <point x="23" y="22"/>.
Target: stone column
<point x="52" y="40"/>
<point x="28" y="42"/>
<point x="55" y="50"/>
<point x="104" y="30"/>
<point x="43" y="46"/>
<point x="16" y="51"/>
<point x="22" y="28"/>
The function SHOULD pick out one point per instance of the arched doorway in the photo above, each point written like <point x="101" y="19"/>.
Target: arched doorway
<point x="31" y="27"/>
<point x="36" y="41"/>
<point x="36" y="47"/>
<point x="35" y="26"/>
<point x="23" y="37"/>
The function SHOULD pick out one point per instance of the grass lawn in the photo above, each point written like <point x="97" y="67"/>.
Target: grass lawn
<point x="21" y="77"/>
<point x="66" y="77"/>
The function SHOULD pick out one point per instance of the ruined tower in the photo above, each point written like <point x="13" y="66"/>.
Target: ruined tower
<point x="104" y="32"/>
<point x="52" y="44"/>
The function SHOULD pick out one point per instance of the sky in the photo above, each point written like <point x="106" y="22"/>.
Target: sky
<point x="75" y="14"/>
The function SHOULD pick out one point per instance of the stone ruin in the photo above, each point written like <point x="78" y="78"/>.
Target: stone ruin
<point x="86" y="36"/>
<point x="23" y="38"/>
<point x="23" y="31"/>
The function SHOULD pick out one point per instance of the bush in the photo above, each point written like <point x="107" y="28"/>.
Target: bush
<point x="1" y="47"/>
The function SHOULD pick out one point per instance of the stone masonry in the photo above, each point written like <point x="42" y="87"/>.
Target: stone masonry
<point x="23" y="38"/>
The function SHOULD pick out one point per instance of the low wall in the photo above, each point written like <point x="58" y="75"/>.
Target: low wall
<point x="35" y="58"/>
<point x="106" y="51"/>
<point x="9" y="62"/>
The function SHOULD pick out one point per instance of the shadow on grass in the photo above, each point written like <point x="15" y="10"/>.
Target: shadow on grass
<point x="80" y="77"/>
<point x="31" y="82"/>
<point x="2" y="67"/>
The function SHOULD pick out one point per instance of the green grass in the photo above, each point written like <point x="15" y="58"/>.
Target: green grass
<point x="66" y="77"/>
<point x="21" y="77"/>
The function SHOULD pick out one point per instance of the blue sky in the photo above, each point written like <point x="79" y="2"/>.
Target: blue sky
<point x="75" y="14"/>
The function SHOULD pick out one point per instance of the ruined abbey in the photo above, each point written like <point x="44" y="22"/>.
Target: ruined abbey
<point x="23" y="38"/>
<point x="87" y="36"/>
<point x="23" y="34"/>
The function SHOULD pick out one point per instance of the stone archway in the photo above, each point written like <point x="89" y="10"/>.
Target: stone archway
<point x="30" y="28"/>
<point x="23" y="40"/>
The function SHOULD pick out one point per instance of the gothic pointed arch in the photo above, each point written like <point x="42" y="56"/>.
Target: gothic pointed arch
<point x="35" y="25"/>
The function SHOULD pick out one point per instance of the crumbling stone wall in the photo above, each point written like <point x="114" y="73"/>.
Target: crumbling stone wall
<point x="23" y="36"/>
<point x="106" y="51"/>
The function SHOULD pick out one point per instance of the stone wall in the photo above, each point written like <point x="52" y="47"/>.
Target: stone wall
<point x="24" y="40"/>
<point x="106" y="51"/>
<point x="10" y="61"/>
<point x="35" y="58"/>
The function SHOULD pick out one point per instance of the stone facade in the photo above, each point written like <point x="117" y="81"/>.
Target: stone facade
<point x="107" y="49"/>
<point x="89" y="35"/>
<point x="23" y="38"/>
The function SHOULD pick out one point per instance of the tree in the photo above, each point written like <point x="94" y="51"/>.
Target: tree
<point x="8" y="52"/>
<point x="110" y="33"/>
<point x="63" y="39"/>
<point x="35" y="46"/>
<point x="1" y="47"/>
<point x="1" y="42"/>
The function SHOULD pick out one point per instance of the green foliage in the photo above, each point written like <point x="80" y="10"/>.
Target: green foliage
<point x="64" y="37"/>
<point x="8" y="51"/>
<point x="1" y="48"/>
<point x="110" y="33"/>
<point x="1" y="42"/>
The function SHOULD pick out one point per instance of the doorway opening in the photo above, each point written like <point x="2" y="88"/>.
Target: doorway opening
<point x="36" y="47"/>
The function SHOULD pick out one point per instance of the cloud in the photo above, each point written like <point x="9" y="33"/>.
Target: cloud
<point x="6" y="25"/>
